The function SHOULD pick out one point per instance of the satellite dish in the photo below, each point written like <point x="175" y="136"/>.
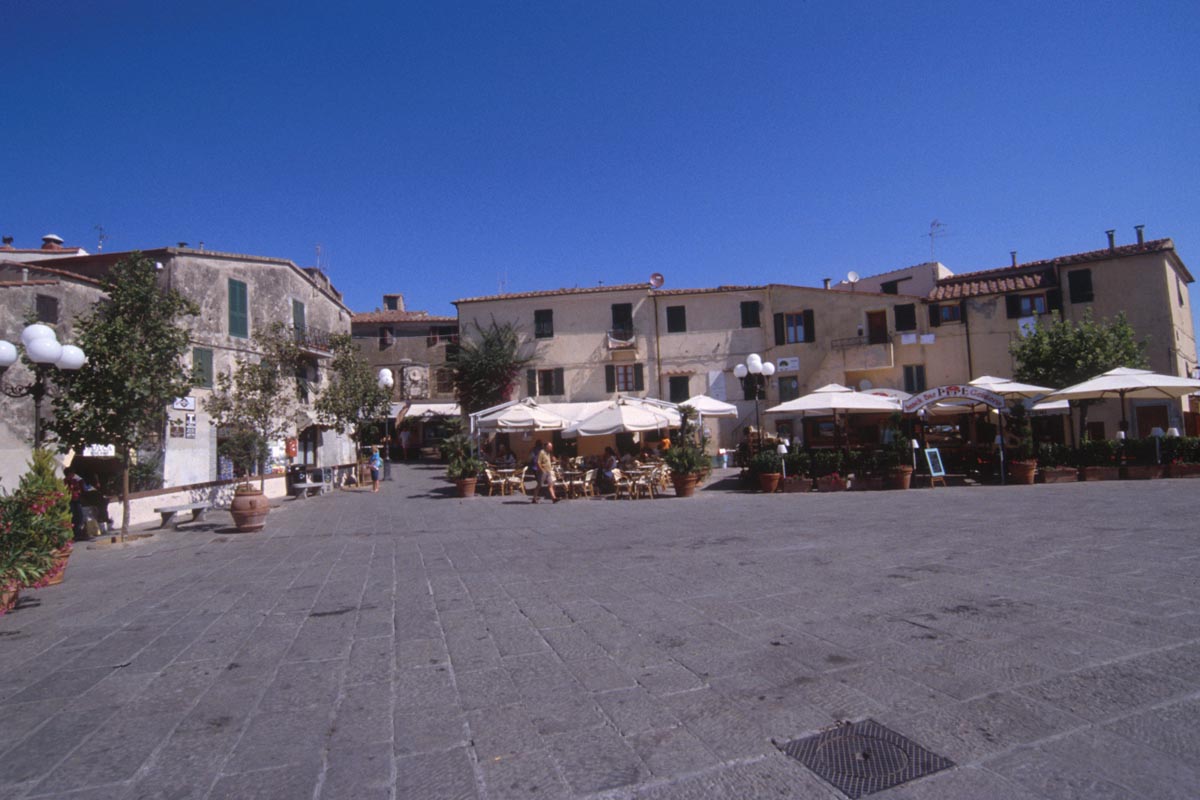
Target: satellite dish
<point x="864" y="385"/>
<point x="656" y="280"/>
<point x="852" y="277"/>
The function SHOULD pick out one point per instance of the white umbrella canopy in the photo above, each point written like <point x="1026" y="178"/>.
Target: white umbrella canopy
<point x="709" y="407"/>
<point x="1124" y="382"/>
<point x="623" y="416"/>
<point x="523" y="415"/>
<point x="834" y="399"/>
<point x="1010" y="389"/>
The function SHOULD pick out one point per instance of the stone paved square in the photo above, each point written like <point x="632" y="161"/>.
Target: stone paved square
<point x="408" y="644"/>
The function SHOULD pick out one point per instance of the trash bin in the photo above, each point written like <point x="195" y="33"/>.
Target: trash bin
<point x="295" y="474"/>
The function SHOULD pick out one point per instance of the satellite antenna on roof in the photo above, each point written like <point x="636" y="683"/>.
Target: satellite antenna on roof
<point x="656" y="280"/>
<point x="852" y="278"/>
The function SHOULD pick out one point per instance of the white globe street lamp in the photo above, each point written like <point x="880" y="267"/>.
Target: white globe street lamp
<point x="753" y="375"/>
<point x="44" y="350"/>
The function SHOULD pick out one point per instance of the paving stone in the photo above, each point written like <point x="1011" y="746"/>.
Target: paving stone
<point x="1173" y="729"/>
<point x="358" y="771"/>
<point x="428" y="730"/>
<point x="35" y="755"/>
<point x="671" y="751"/>
<point x="524" y="776"/>
<point x="303" y="684"/>
<point x="501" y="732"/>
<point x="277" y="738"/>
<point x="596" y="760"/>
<point x="112" y="755"/>
<point x="279" y="783"/>
<point x="1100" y="692"/>
<point x="371" y="660"/>
<point x="445" y="775"/>
<point x="364" y="714"/>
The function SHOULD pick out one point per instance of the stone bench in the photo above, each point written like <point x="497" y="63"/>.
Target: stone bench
<point x="300" y="489"/>
<point x="168" y="512"/>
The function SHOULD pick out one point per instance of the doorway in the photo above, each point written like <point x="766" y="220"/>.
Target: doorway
<point x="877" y="328"/>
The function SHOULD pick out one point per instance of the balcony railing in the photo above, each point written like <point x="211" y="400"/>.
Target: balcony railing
<point x="313" y="340"/>
<point x="620" y="338"/>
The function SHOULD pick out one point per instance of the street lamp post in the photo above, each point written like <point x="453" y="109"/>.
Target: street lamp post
<point x="44" y="350"/>
<point x="386" y="381"/>
<point x="753" y="375"/>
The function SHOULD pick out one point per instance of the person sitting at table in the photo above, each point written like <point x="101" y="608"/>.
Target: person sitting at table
<point x="505" y="458"/>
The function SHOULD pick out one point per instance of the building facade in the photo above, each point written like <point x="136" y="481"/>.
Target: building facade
<point x="414" y="345"/>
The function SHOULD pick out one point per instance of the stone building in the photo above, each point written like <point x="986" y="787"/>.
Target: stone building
<point x="238" y="295"/>
<point x="414" y="345"/>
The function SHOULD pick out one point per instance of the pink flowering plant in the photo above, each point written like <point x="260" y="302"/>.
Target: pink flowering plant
<point x="35" y="527"/>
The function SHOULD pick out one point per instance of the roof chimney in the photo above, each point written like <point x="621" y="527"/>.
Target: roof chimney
<point x="6" y="243"/>
<point x="52" y="242"/>
<point x="202" y="245"/>
<point x="1141" y="233"/>
<point x="826" y="281"/>
<point x="181" y="245"/>
<point x="393" y="302"/>
<point x="1013" y="253"/>
<point x="1112" y="239"/>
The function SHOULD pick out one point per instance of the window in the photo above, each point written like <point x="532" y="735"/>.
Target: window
<point x="47" y="309"/>
<point x="678" y="387"/>
<point x="789" y="389"/>
<point x="1079" y="286"/>
<point x="544" y="382"/>
<point x="676" y="319"/>
<point x="443" y="380"/>
<point x="794" y="327"/>
<point x="906" y="317"/>
<point x="622" y="321"/>
<point x="890" y="287"/>
<point x="202" y="366"/>
<point x="543" y="323"/>
<point x="950" y="313"/>
<point x="624" y="377"/>
<point x="387" y="336"/>
<point x="441" y="333"/>
<point x="751" y="314"/>
<point x="239" y="311"/>
<point x="914" y="378"/>
<point x="302" y="383"/>
<point x="1025" y="305"/>
<point x="298" y="322"/>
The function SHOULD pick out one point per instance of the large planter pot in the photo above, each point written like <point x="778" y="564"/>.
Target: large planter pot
<point x="898" y="478"/>
<point x="466" y="486"/>
<point x="1059" y="474"/>
<point x="8" y="598"/>
<point x="867" y="483"/>
<point x="1099" y="473"/>
<point x="795" y="484"/>
<point x="59" y="570"/>
<point x="831" y="483"/>
<point x="1142" y="472"/>
<point x="769" y="481"/>
<point x="685" y="485"/>
<point x="1021" y="473"/>
<point x="249" y="509"/>
<point x="1183" y="470"/>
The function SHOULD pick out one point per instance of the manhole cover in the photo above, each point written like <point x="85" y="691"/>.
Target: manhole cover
<point x="864" y="757"/>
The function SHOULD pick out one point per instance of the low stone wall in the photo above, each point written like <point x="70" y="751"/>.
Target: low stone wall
<point x="219" y="493"/>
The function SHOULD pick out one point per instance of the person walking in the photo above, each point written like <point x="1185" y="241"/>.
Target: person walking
<point x="545" y="473"/>
<point x="376" y="466"/>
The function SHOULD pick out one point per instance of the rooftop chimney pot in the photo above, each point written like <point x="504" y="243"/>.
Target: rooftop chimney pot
<point x="1112" y="239"/>
<point x="827" y="282"/>
<point x="52" y="242"/>
<point x="181" y="245"/>
<point x="1141" y="233"/>
<point x="1013" y="253"/>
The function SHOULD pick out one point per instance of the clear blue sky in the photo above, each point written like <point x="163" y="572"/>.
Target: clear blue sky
<point x="437" y="149"/>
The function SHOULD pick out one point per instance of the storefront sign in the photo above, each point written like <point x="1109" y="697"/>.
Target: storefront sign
<point x="965" y="391"/>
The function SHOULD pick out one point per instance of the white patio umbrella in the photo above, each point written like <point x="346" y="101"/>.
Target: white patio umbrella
<point x="625" y="416"/>
<point x="709" y="407"/>
<point x="1010" y="389"/>
<point x="1124" y="382"/>
<point x="834" y="399"/>
<point x="522" y="415"/>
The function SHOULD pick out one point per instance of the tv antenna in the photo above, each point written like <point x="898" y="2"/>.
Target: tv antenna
<point x="101" y="237"/>
<point x="937" y="230"/>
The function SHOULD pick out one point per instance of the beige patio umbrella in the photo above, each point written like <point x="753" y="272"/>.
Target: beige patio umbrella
<point x="835" y="400"/>
<point x="1125" y="382"/>
<point x="521" y="415"/>
<point x="625" y="416"/>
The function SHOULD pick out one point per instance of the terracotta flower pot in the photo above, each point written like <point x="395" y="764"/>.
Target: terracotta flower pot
<point x="59" y="570"/>
<point x="8" y="598"/>
<point x="685" y="485"/>
<point x="1021" y="473"/>
<point x="249" y="509"/>
<point x="769" y="481"/>
<point x="795" y="484"/>
<point x="1059" y="474"/>
<point x="466" y="486"/>
<point x="1141" y="472"/>
<point x="899" y="478"/>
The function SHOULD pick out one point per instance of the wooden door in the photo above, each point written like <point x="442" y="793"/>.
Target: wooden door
<point x="1149" y="418"/>
<point x="877" y="329"/>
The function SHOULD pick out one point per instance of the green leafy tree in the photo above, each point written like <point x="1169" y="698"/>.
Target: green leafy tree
<point x="259" y="401"/>
<point x="135" y="344"/>
<point x="353" y="397"/>
<point x="486" y="366"/>
<point x="1061" y="353"/>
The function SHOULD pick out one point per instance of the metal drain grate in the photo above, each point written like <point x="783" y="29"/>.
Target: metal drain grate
<point x="862" y="758"/>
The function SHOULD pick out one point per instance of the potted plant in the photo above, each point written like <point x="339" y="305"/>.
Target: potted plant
<point x="35" y="531"/>
<point x="687" y="458"/>
<point x="796" y="468"/>
<point x="827" y="469"/>
<point x="1182" y="456"/>
<point x="1142" y="457"/>
<point x="464" y="471"/>
<point x="896" y="456"/>
<point x="1022" y="465"/>
<point x="1054" y="463"/>
<point x="1097" y="459"/>
<point x="767" y="465"/>
<point x="866" y="469"/>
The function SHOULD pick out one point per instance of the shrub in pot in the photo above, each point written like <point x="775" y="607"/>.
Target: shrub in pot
<point x="1022" y="465"/>
<point x="687" y="459"/>
<point x="1142" y="459"/>
<point x="896" y="456"/>
<point x="796" y="471"/>
<point x="465" y="474"/>
<point x="768" y="466"/>
<point x="1181" y="454"/>
<point x="35" y="530"/>
<point x="827" y="468"/>
<point x="1098" y="460"/>
<point x="1054" y="461"/>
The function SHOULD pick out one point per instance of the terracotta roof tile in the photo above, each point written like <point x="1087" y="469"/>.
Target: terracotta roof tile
<point x="709" y="290"/>
<point x="621" y="287"/>
<point x="1033" y="275"/>
<point x="18" y="284"/>
<point x="369" y="317"/>
<point x="38" y="266"/>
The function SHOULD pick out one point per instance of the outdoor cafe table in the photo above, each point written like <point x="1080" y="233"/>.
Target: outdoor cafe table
<point x="569" y="477"/>
<point x="504" y="475"/>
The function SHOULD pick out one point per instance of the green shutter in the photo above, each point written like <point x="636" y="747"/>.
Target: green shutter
<point x="559" y="387"/>
<point x="239" y="313"/>
<point x="298" y="315"/>
<point x="1012" y="305"/>
<point x="610" y="378"/>
<point x="202" y="366"/>
<point x="639" y="378"/>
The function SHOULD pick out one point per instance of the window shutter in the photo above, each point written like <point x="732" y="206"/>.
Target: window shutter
<point x="1054" y="300"/>
<point x="639" y="378"/>
<point x="239" y="316"/>
<point x="935" y="316"/>
<point x="810" y="330"/>
<point x="1080" y="284"/>
<point x="558" y="381"/>
<point x="780" y="334"/>
<point x="610" y="378"/>
<point x="1012" y="304"/>
<point x="906" y="317"/>
<point x="531" y="382"/>
<point x="962" y="312"/>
